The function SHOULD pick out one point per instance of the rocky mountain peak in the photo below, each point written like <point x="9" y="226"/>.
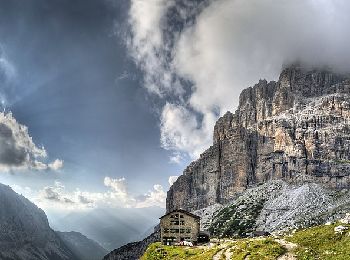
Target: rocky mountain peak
<point x="296" y="129"/>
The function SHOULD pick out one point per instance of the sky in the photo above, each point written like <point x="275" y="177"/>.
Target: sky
<point x="105" y="102"/>
<point x="78" y="130"/>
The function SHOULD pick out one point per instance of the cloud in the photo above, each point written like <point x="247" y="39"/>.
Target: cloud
<point x="8" y="77"/>
<point x="116" y="195"/>
<point x="172" y="179"/>
<point x="155" y="197"/>
<point x="176" y="158"/>
<point x="182" y="131"/>
<point x="57" y="196"/>
<point x="201" y="54"/>
<point x="56" y="165"/>
<point x="55" y="193"/>
<point x="7" y="69"/>
<point x="119" y="191"/>
<point x="17" y="149"/>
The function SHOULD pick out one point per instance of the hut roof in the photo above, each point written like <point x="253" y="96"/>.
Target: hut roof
<point x="181" y="211"/>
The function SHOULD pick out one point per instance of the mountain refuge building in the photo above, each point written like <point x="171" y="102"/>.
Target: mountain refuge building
<point x="178" y="226"/>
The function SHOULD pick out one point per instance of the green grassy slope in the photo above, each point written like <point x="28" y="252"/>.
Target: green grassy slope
<point x="315" y="243"/>
<point x="322" y="242"/>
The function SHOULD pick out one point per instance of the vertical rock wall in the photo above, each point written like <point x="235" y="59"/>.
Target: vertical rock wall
<point x="296" y="129"/>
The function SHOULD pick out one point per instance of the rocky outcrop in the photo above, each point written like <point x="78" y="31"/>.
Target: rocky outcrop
<point x="296" y="129"/>
<point x="133" y="250"/>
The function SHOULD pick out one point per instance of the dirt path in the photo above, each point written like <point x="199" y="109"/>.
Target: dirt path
<point x="289" y="246"/>
<point x="228" y="253"/>
<point x="224" y="253"/>
<point x="218" y="255"/>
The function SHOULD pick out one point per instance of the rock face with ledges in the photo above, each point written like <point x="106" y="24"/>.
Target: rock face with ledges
<point x="296" y="129"/>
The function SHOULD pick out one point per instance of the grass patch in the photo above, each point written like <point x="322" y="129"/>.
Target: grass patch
<point x="257" y="249"/>
<point x="157" y="251"/>
<point x="321" y="242"/>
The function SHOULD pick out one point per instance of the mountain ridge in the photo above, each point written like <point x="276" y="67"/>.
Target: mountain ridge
<point x="296" y="129"/>
<point x="26" y="233"/>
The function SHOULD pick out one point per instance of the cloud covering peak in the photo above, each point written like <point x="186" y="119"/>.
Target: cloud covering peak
<point x="201" y="54"/>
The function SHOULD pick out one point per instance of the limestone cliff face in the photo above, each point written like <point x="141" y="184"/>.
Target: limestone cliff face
<point x="296" y="129"/>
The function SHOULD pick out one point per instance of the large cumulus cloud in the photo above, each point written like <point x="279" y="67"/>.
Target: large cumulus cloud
<point x="17" y="149"/>
<point x="201" y="54"/>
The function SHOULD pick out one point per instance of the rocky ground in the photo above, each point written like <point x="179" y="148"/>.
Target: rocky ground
<point x="278" y="206"/>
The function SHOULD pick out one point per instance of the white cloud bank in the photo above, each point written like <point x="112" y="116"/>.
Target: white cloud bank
<point x="116" y="195"/>
<point x="223" y="46"/>
<point x="17" y="149"/>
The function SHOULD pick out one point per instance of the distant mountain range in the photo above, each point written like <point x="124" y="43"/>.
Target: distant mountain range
<point x="111" y="227"/>
<point x="81" y="246"/>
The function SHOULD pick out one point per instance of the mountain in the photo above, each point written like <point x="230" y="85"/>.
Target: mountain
<point x="115" y="227"/>
<point x="83" y="247"/>
<point x="280" y="162"/>
<point x="25" y="234"/>
<point x="296" y="129"/>
<point x="25" y="231"/>
<point x="132" y="250"/>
